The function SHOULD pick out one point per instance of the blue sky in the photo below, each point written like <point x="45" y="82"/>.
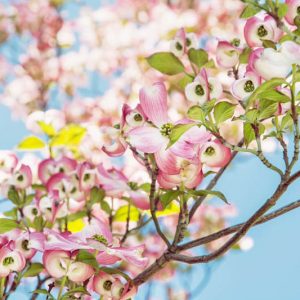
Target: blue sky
<point x="268" y="271"/>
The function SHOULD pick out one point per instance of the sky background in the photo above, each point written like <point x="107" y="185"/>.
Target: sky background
<point x="270" y="270"/>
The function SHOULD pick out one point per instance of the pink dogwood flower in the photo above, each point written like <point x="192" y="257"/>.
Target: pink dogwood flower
<point x="59" y="263"/>
<point x="262" y="28"/>
<point x="244" y="87"/>
<point x="10" y="261"/>
<point x="203" y="88"/>
<point x="22" y="177"/>
<point x="214" y="154"/>
<point x="293" y="10"/>
<point x="227" y="55"/>
<point x="183" y="42"/>
<point x="49" y="167"/>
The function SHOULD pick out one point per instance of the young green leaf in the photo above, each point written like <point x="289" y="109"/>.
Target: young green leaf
<point x="266" y="86"/>
<point x="198" y="57"/>
<point x="33" y="270"/>
<point x="196" y="113"/>
<point x="31" y="143"/>
<point x="178" y="131"/>
<point x="7" y="225"/>
<point x="166" y="63"/>
<point x="48" y="129"/>
<point x="78" y="290"/>
<point x="87" y="258"/>
<point x="168" y="197"/>
<point x="282" y="10"/>
<point x="200" y="193"/>
<point x="69" y="136"/>
<point x="223" y="111"/>
<point x="122" y="214"/>
<point x="13" y="196"/>
<point x="249" y="11"/>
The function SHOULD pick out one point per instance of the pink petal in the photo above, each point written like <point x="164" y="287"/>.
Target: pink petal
<point x="154" y="103"/>
<point x="146" y="139"/>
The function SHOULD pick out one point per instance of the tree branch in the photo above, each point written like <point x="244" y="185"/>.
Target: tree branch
<point x="229" y="230"/>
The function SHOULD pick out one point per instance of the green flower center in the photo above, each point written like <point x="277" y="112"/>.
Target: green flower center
<point x="261" y="31"/>
<point x="199" y="90"/>
<point x="86" y="177"/>
<point x="138" y="118"/>
<point x="133" y="185"/>
<point x="107" y="285"/>
<point x="188" y="42"/>
<point x="210" y="151"/>
<point x="236" y="42"/>
<point x="178" y="46"/>
<point x="25" y="245"/>
<point x="166" y="129"/>
<point x="8" y="260"/>
<point x="20" y="178"/>
<point x="101" y="239"/>
<point x="298" y="10"/>
<point x="34" y="211"/>
<point x="249" y="86"/>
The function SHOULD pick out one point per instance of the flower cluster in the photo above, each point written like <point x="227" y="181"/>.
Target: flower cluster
<point x="110" y="200"/>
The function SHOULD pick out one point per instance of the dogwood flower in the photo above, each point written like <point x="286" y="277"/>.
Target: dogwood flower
<point x="59" y="263"/>
<point x="261" y="28"/>
<point x="215" y="154"/>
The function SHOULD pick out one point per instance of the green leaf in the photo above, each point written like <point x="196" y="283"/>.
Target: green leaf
<point x="48" y="129"/>
<point x="269" y="44"/>
<point x="13" y="213"/>
<point x="80" y="289"/>
<point x="7" y="225"/>
<point x="31" y="143"/>
<point x="76" y="216"/>
<point x="282" y="10"/>
<point x="249" y="134"/>
<point x="200" y="193"/>
<point x="69" y="136"/>
<point x="122" y="214"/>
<point x="252" y="115"/>
<point x="145" y="187"/>
<point x="112" y="271"/>
<point x="184" y="81"/>
<point x="275" y="96"/>
<point x="38" y="223"/>
<point x="43" y="292"/>
<point x="28" y="199"/>
<point x="168" y="197"/>
<point x="177" y="131"/>
<point x="166" y="63"/>
<point x="87" y="258"/>
<point x="96" y="195"/>
<point x="210" y="64"/>
<point x="13" y="195"/>
<point x="267" y="109"/>
<point x="196" y="113"/>
<point x="223" y="111"/>
<point x="198" y="57"/>
<point x="244" y="56"/>
<point x="33" y="270"/>
<point x="286" y="122"/>
<point x="249" y="11"/>
<point x="267" y="85"/>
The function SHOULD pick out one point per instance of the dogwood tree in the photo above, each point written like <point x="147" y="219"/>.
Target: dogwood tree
<point x="114" y="196"/>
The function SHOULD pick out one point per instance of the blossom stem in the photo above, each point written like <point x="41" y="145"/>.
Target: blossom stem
<point x="62" y="285"/>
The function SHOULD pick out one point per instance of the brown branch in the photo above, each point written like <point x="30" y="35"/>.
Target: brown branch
<point x="153" y="208"/>
<point x="229" y="230"/>
<point x="285" y="151"/>
<point x="211" y="185"/>
<point x="239" y="234"/>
